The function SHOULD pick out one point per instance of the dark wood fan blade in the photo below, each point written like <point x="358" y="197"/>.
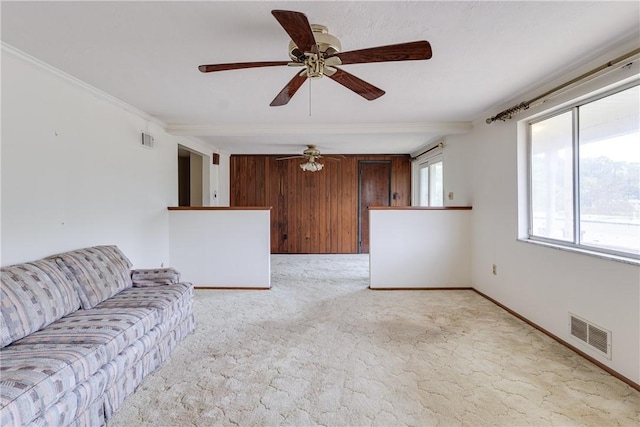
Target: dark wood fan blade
<point x="289" y="90"/>
<point x="239" y="65"/>
<point x="359" y="86"/>
<point x="297" y="26"/>
<point x="411" y="51"/>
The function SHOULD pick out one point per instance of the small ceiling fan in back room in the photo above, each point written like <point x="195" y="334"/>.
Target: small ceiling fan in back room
<point x="313" y="48"/>
<point x="312" y="155"/>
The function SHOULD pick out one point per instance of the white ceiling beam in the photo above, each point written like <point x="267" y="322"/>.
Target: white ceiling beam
<point x="442" y="128"/>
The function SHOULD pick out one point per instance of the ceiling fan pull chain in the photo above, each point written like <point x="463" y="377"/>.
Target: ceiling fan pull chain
<point x="309" y="97"/>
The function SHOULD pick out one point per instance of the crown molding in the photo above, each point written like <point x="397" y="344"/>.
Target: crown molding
<point x="445" y="128"/>
<point x="8" y="49"/>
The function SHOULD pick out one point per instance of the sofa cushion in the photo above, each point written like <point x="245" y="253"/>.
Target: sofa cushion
<point x="38" y="369"/>
<point x="81" y="407"/>
<point x="87" y="345"/>
<point x="32" y="296"/>
<point x="34" y="377"/>
<point x="167" y="300"/>
<point x="112" y="329"/>
<point x="99" y="272"/>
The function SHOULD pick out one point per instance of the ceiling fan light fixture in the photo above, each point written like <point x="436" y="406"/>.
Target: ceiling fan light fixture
<point x="315" y="66"/>
<point x="311" y="166"/>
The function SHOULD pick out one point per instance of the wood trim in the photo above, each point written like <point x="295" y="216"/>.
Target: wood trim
<point x="420" y="208"/>
<point x="382" y="156"/>
<point x="422" y="289"/>
<point x="231" y="288"/>
<point x="219" y="208"/>
<point x="370" y="192"/>
<point x="599" y="364"/>
<point x="312" y="212"/>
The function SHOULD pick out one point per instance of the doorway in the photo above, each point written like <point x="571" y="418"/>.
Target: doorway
<point x="190" y="175"/>
<point x="374" y="189"/>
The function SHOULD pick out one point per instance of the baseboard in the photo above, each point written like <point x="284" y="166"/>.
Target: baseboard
<point x="230" y="288"/>
<point x="599" y="364"/>
<point x="422" y="289"/>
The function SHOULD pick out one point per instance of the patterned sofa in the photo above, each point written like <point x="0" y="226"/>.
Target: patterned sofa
<point x="80" y="330"/>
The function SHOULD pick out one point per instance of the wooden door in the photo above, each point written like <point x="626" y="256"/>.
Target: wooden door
<point x="374" y="190"/>
<point x="316" y="212"/>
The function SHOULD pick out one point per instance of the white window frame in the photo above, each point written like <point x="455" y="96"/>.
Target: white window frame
<point x="426" y="161"/>
<point x="575" y="245"/>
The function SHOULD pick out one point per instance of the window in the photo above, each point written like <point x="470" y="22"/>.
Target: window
<point x="584" y="176"/>
<point x="430" y="182"/>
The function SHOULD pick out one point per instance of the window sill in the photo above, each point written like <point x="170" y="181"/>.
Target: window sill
<point x="602" y="255"/>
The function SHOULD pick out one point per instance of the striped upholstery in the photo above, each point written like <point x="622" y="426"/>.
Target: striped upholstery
<point x="60" y="414"/>
<point x="33" y="295"/>
<point x="35" y="377"/>
<point x="78" y="369"/>
<point x="111" y="329"/>
<point x="99" y="272"/>
<point x="154" y="277"/>
<point x="167" y="299"/>
<point x="84" y="406"/>
<point x="93" y="416"/>
<point x="125" y="384"/>
<point x="5" y="335"/>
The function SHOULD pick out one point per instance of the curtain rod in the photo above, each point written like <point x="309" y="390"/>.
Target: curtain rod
<point x="438" y="145"/>
<point x="509" y="112"/>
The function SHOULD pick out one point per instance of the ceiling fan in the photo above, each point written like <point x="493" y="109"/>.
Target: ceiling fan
<point x="312" y="154"/>
<point x="318" y="51"/>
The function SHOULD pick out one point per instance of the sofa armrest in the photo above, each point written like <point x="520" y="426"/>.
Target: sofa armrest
<point x="154" y="277"/>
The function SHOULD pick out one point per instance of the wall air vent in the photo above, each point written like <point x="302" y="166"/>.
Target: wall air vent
<point x="147" y="140"/>
<point x="593" y="336"/>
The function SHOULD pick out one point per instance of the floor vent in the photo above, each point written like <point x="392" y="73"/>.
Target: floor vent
<point x="594" y="336"/>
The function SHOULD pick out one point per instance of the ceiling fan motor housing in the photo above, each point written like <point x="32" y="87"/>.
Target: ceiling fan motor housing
<point x="327" y="43"/>
<point x="311" y="151"/>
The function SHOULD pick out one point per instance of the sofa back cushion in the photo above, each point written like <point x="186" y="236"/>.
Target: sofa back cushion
<point x="99" y="272"/>
<point x="32" y="296"/>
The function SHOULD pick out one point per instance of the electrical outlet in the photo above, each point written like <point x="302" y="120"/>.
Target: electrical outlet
<point x="494" y="270"/>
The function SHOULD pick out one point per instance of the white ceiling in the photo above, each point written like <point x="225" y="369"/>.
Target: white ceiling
<point x="485" y="54"/>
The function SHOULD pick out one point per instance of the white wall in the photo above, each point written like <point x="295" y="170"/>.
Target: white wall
<point x="542" y="284"/>
<point x="419" y="248"/>
<point x="74" y="173"/>
<point x="221" y="248"/>
<point x="455" y="160"/>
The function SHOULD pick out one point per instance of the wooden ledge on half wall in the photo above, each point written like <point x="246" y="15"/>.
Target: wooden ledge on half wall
<point x="219" y="208"/>
<point x="421" y="208"/>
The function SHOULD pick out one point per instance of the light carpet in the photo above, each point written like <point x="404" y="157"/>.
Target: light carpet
<point x="320" y="348"/>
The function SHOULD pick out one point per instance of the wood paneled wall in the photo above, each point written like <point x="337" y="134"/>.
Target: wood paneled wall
<point x="312" y="212"/>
